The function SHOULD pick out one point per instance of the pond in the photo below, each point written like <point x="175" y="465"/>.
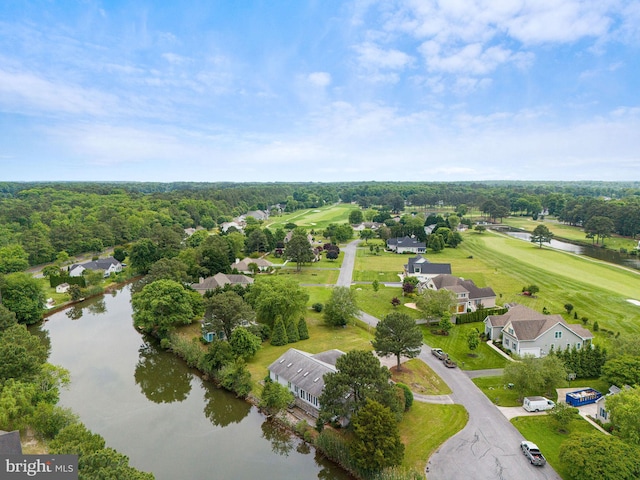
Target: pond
<point x="150" y="406"/>
<point x="604" y="254"/>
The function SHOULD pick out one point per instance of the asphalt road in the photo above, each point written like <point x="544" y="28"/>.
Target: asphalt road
<point x="488" y="447"/>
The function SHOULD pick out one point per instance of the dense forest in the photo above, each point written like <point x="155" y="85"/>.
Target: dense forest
<point x="40" y="220"/>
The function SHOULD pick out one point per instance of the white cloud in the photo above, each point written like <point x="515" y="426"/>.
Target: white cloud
<point x="26" y="92"/>
<point x="372" y="57"/>
<point x="476" y="37"/>
<point x="319" y="79"/>
<point x="175" y="59"/>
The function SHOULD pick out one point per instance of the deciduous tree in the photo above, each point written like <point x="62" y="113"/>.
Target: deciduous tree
<point x="624" y="408"/>
<point x="341" y="307"/>
<point x="162" y="305"/>
<point x="436" y="303"/>
<point x="23" y="295"/>
<point x="599" y="457"/>
<point x="275" y="398"/>
<point x="541" y="234"/>
<point x="277" y="296"/>
<point x="244" y="344"/>
<point x="224" y="311"/>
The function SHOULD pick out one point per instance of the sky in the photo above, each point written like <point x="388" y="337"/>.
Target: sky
<point x="319" y="90"/>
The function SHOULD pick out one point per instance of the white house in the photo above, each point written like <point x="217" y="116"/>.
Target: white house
<point x="62" y="288"/>
<point x="601" y="404"/>
<point x="220" y="280"/>
<point x="423" y="269"/>
<point x="470" y="297"/>
<point x="109" y="265"/>
<point x="527" y="332"/>
<point x="406" y="245"/>
<point x="302" y="373"/>
<point x="242" y="266"/>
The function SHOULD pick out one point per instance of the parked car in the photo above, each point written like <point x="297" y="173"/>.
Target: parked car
<point x="533" y="453"/>
<point x="449" y="363"/>
<point x="537" y="404"/>
<point x="439" y="353"/>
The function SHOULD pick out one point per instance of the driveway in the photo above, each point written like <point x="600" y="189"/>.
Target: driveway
<point x="488" y="447"/>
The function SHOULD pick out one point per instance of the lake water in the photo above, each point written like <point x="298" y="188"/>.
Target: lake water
<point x="150" y="406"/>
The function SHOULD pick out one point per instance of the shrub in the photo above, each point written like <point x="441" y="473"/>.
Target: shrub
<point x="317" y="307"/>
<point x="303" y="331"/>
<point x="189" y="350"/>
<point x="408" y="395"/>
<point x="279" y="336"/>
<point x="596" y="327"/>
<point x="49" y="419"/>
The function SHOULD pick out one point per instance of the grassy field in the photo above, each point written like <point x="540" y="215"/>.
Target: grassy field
<point x="383" y="266"/>
<point x="420" y="378"/>
<point x="379" y="304"/>
<point x="496" y="391"/>
<point x="311" y="275"/>
<point x="542" y="431"/>
<point x="427" y="426"/>
<point x="313" y="218"/>
<point x="597" y="290"/>
<point x="455" y="344"/>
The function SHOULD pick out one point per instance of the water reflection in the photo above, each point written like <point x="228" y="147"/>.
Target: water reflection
<point x="221" y="410"/>
<point x="75" y="312"/>
<point x="161" y="378"/>
<point x="97" y="306"/>
<point x="282" y="442"/>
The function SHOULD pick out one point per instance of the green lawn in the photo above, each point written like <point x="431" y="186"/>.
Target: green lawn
<point x="379" y="304"/>
<point x="427" y="426"/>
<point x="542" y="431"/>
<point x="455" y="344"/>
<point x="311" y="275"/>
<point x="496" y="391"/>
<point x="420" y="378"/>
<point x="597" y="290"/>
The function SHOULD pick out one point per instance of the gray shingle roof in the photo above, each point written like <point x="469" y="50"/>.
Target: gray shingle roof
<point x="304" y="369"/>
<point x="100" y="264"/>
<point x="406" y="242"/>
<point x="529" y="324"/>
<point x="456" y="284"/>
<point x="426" y="267"/>
<point x="220" y="280"/>
<point x="10" y="443"/>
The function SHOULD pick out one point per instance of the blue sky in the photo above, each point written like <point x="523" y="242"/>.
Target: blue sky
<point x="321" y="90"/>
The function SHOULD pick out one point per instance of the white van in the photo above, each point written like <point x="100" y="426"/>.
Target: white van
<point x="537" y="404"/>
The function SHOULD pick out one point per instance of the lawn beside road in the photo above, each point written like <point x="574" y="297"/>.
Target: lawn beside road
<point x="543" y="431"/>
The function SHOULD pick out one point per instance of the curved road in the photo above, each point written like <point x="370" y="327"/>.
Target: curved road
<point x="488" y="447"/>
